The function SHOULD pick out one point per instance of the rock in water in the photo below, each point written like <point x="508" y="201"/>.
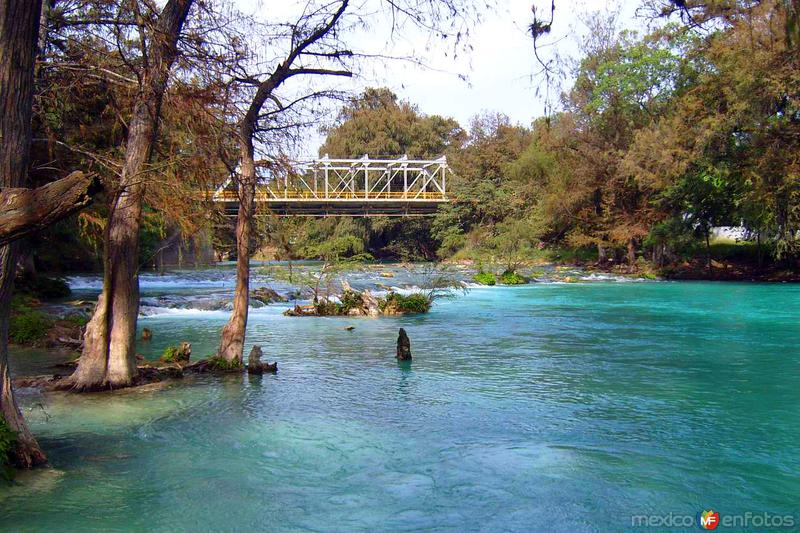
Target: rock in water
<point x="147" y="334"/>
<point x="266" y="295"/>
<point x="254" y="364"/>
<point x="403" y="346"/>
<point x="370" y="304"/>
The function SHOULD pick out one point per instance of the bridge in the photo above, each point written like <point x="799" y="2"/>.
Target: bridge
<point x="362" y="187"/>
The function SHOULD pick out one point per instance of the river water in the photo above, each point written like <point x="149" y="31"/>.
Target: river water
<point x="545" y="407"/>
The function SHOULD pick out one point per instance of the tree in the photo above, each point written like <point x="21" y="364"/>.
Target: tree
<point x="108" y="357"/>
<point x="309" y="31"/>
<point x="315" y="49"/>
<point x="19" y="25"/>
<point x="379" y="124"/>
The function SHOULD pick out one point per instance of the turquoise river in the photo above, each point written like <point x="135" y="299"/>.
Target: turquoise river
<point x="546" y="407"/>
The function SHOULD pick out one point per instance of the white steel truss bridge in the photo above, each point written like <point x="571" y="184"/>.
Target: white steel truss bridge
<point x="362" y="187"/>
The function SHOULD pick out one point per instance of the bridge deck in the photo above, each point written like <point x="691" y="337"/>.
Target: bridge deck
<point x="350" y="187"/>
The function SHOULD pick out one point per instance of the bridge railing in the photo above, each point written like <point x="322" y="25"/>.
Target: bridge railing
<point x="363" y="179"/>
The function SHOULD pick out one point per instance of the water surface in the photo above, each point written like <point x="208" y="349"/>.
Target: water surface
<point x="547" y="407"/>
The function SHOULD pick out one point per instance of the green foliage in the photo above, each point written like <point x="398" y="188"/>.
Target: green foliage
<point x="8" y="440"/>
<point x="485" y="278"/>
<point x="415" y="303"/>
<point x="170" y="354"/>
<point x="79" y="320"/>
<point x="28" y="326"/>
<point x="42" y="287"/>
<point x="326" y="307"/>
<point x="379" y="124"/>
<point x="350" y="300"/>
<point x="510" y="277"/>
<point x="220" y="364"/>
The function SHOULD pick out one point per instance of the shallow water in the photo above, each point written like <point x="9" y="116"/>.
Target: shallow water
<point x="547" y="407"/>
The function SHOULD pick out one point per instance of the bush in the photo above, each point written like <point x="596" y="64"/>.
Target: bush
<point x="328" y="308"/>
<point x="8" y="440"/>
<point x="485" y="278"/>
<point x="42" y="286"/>
<point x="28" y="326"/>
<point x="170" y="354"/>
<point x="78" y="320"/>
<point x="411" y="304"/>
<point x="222" y="365"/>
<point x="509" y="277"/>
<point x="350" y="300"/>
<point x="177" y="354"/>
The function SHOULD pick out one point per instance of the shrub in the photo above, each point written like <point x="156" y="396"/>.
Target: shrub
<point x="485" y="278"/>
<point x="28" y="326"/>
<point x="509" y="277"/>
<point x="78" y="320"/>
<point x="42" y="286"/>
<point x="221" y="364"/>
<point x="350" y="300"/>
<point x="170" y="354"/>
<point x="8" y="440"/>
<point x="176" y="354"/>
<point x="328" y="308"/>
<point x="411" y="304"/>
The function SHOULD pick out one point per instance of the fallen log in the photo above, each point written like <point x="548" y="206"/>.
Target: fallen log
<point x="26" y="211"/>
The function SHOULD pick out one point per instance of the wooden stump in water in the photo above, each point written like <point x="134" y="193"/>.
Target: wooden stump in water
<point x="254" y="364"/>
<point x="403" y="346"/>
<point x="146" y="334"/>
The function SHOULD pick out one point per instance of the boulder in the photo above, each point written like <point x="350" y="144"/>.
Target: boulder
<point x="254" y="364"/>
<point x="266" y="295"/>
<point x="301" y="310"/>
<point x="403" y="346"/>
<point x="370" y="304"/>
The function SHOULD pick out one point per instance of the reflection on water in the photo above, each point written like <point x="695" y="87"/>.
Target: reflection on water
<point x="549" y="407"/>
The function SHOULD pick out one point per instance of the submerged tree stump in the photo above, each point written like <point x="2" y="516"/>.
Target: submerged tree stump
<point x="403" y="346"/>
<point x="254" y="364"/>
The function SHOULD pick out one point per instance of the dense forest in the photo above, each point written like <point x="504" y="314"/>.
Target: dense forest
<point x="661" y="138"/>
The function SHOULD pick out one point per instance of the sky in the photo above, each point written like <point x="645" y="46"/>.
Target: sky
<point x="499" y="74"/>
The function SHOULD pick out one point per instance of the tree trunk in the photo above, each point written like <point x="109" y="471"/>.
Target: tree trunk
<point x="602" y="256"/>
<point x="231" y="346"/>
<point x="108" y="359"/>
<point x="708" y="250"/>
<point x="25" y="211"/>
<point x="759" y="251"/>
<point x="19" y="25"/>
<point x="233" y="334"/>
<point x="631" y="253"/>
